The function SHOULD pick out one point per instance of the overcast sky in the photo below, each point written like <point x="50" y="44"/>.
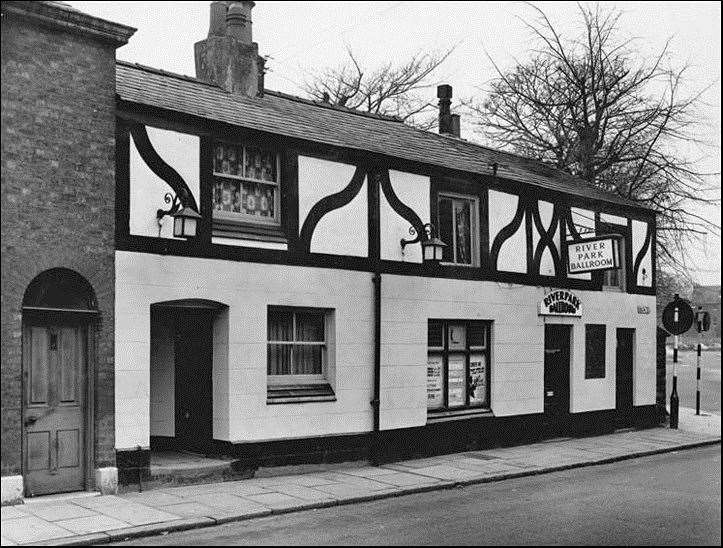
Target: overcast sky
<point x="301" y="36"/>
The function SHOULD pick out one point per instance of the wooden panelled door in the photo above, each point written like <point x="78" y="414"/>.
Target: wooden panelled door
<point x="54" y="363"/>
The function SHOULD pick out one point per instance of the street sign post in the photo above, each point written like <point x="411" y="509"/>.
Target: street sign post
<point x="677" y="319"/>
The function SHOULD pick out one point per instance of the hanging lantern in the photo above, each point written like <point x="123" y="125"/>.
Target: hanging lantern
<point x="185" y="223"/>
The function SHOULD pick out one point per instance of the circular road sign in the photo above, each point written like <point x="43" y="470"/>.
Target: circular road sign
<point x="686" y="316"/>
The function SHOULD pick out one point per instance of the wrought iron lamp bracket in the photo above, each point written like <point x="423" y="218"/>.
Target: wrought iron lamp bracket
<point x="175" y="202"/>
<point x="428" y="229"/>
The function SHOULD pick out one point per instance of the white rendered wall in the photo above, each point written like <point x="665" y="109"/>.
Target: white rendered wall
<point x="517" y="366"/>
<point x="513" y="255"/>
<point x="179" y="150"/>
<point x="240" y="409"/>
<point x="640" y="230"/>
<point x="163" y="368"/>
<point x="413" y="191"/>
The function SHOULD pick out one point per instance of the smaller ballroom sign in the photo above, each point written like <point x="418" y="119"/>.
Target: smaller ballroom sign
<point x="592" y="254"/>
<point x="560" y="303"/>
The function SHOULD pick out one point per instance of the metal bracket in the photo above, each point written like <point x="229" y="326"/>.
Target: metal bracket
<point x="428" y="228"/>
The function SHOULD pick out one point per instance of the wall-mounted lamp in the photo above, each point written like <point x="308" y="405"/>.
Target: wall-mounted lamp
<point x="185" y="219"/>
<point x="432" y="247"/>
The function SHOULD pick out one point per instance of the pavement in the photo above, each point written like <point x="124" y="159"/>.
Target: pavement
<point x="669" y="499"/>
<point x="84" y="519"/>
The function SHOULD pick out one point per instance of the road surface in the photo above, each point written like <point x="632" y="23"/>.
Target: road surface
<point x="668" y="499"/>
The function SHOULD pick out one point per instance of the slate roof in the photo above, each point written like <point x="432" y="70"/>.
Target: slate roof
<point x="294" y="117"/>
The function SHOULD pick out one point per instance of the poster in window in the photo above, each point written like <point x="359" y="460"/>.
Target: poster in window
<point x="435" y="381"/>
<point x="456" y="381"/>
<point x="457" y="337"/>
<point x="478" y="379"/>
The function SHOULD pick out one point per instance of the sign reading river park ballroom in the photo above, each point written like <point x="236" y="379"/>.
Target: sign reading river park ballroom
<point x="560" y="303"/>
<point x="592" y="254"/>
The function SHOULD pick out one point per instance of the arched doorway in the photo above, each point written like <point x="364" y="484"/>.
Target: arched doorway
<point x="188" y="337"/>
<point x="59" y="307"/>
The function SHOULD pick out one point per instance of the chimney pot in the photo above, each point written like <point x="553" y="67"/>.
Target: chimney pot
<point x="448" y="122"/>
<point x="217" y="26"/>
<point x="444" y="91"/>
<point x="238" y="21"/>
<point x="455" y="130"/>
<point x="228" y="57"/>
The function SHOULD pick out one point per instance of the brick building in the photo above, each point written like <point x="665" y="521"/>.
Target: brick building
<point x="58" y="203"/>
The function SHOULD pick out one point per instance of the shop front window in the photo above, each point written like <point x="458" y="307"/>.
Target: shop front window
<point x="458" y="369"/>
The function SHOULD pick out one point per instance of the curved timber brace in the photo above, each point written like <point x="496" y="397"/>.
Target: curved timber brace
<point x="162" y="169"/>
<point x="404" y="211"/>
<point x="547" y="236"/>
<point x="642" y="253"/>
<point x="330" y="203"/>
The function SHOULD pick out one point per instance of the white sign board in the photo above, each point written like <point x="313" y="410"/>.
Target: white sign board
<point x="592" y="254"/>
<point x="560" y="303"/>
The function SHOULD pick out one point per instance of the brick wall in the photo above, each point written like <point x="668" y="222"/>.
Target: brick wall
<point x="58" y="180"/>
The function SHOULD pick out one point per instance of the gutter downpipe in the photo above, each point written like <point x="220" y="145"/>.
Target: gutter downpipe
<point x="374" y="449"/>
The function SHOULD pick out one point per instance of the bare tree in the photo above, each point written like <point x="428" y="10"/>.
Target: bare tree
<point x="390" y="90"/>
<point x="591" y="105"/>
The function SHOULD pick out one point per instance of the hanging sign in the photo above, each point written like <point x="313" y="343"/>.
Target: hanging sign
<point x="560" y="303"/>
<point x="593" y="254"/>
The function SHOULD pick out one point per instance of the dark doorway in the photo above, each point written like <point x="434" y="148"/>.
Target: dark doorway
<point x="624" y="377"/>
<point x="557" y="378"/>
<point x="193" y="349"/>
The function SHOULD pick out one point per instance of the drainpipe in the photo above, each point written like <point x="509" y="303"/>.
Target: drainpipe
<point x="374" y="454"/>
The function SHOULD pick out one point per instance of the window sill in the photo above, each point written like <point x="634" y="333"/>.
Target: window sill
<point x="450" y="415"/>
<point x="248" y="231"/>
<point x="299" y="393"/>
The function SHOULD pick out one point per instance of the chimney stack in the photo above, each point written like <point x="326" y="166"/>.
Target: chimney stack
<point x="228" y="57"/>
<point x="448" y="122"/>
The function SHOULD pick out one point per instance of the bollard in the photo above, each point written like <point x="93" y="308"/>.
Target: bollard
<point x="139" y="468"/>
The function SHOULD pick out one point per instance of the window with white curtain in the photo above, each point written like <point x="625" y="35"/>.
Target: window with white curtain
<point x="297" y="345"/>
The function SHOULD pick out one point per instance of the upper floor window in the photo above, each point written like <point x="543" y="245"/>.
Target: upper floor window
<point x="246" y="186"/>
<point x="614" y="279"/>
<point x="458" y="225"/>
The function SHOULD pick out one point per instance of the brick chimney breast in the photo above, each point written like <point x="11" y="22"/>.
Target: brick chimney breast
<point x="228" y="57"/>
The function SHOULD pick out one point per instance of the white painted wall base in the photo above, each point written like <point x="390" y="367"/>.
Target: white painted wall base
<point x="106" y="480"/>
<point x="12" y="490"/>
